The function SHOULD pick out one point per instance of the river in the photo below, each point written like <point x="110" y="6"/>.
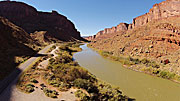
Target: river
<point x="136" y="85"/>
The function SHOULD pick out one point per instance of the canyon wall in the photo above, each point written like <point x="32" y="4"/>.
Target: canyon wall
<point x="164" y="9"/>
<point x="31" y="20"/>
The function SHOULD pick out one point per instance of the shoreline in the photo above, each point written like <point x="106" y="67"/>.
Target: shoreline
<point x="138" y="70"/>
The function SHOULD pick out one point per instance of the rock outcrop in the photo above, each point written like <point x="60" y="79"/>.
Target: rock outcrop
<point x="165" y="9"/>
<point x="40" y="37"/>
<point x="31" y="20"/>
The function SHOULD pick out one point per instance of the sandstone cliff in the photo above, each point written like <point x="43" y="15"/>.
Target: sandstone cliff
<point x="31" y="20"/>
<point x="165" y="9"/>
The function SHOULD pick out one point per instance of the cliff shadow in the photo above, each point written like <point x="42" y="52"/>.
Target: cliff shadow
<point x="9" y="73"/>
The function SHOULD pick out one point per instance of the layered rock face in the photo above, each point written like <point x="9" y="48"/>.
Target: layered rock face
<point x="168" y="8"/>
<point x="164" y="9"/>
<point x="118" y="28"/>
<point x="31" y="20"/>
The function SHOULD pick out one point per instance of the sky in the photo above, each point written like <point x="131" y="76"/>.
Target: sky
<point x="91" y="16"/>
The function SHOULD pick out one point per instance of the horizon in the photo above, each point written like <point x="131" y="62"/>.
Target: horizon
<point x="89" y="17"/>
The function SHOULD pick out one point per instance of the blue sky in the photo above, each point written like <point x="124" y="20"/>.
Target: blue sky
<point x="91" y="16"/>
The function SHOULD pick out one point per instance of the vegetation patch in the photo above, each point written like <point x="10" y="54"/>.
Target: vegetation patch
<point x="50" y="93"/>
<point x="81" y="95"/>
<point x="63" y="73"/>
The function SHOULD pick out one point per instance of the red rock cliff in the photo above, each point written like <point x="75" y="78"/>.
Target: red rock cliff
<point x="32" y="20"/>
<point x="164" y="9"/>
<point x="118" y="28"/>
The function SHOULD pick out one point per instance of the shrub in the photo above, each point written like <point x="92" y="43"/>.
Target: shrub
<point x="50" y="93"/>
<point x="105" y="53"/>
<point x="167" y="75"/>
<point x="76" y="45"/>
<point x="63" y="47"/>
<point x="156" y="71"/>
<point x="63" y="86"/>
<point x="114" y="58"/>
<point x="82" y="83"/>
<point x="34" y="81"/>
<point x="52" y="82"/>
<point x="153" y="64"/>
<point x="42" y="85"/>
<point x="109" y="93"/>
<point x="54" y="46"/>
<point x="145" y="61"/>
<point x="81" y="95"/>
<point x="29" y="88"/>
<point x="51" y="61"/>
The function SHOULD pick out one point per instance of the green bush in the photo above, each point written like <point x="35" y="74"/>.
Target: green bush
<point x="51" y="61"/>
<point x="34" y="81"/>
<point x="109" y="93"/>
<point x="145" y="61"/>
<point x="63" y="86"/>
<point x="167" y="75"/>
<point x="82" y="96"/>
<point x="82" y="83"/>
<point x="115" y="58"/>
<point x="105" y="53"/>
<point x="156" y="71"/>
<point x="63" y="47"/>
<point x="153" y="64"/>
<point x="54" y="46"/>
<point x="29" y="88"/>
<point x="50" y="93"/>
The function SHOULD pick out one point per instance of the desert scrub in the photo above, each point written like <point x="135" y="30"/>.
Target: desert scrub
<point x="84" y="84"/>
<point x="52" y="48"/>
<point x="110" y="93"/>
<point x="161" y="73"/>
<point x="82" y="96"/>
<point x="29" y="88"/>
<point x="129" y="60"/>
<point x="34" y="81"/>
<point x="29" y="76"/>
<point x="167" y="74"/>
<point x="50" y="93"/>
<point x="63" y="73"/>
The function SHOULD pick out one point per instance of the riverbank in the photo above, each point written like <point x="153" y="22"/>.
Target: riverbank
<point x="138" y="85"/>
<point x="63" y="74"/>
<point x="141" y="65"/>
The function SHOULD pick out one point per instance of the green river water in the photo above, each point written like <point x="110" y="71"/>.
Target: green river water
<point x="136" y="85"/>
